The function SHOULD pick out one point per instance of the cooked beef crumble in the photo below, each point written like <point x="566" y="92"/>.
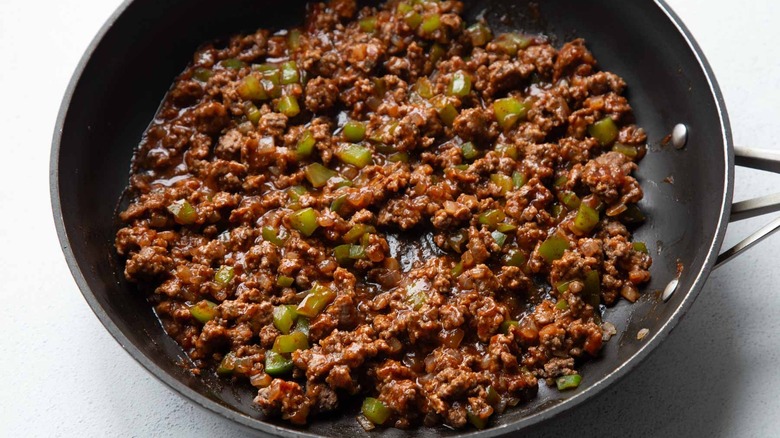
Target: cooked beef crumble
<point x="388" y="203"/>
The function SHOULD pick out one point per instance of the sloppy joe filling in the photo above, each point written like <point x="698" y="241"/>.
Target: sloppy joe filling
<point x="388" y="203"/>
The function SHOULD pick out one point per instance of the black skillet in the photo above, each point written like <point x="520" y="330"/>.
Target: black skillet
<point x="131" y="63"/>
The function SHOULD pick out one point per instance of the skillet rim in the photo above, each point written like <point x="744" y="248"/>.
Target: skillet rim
<point x="257" y="425"/>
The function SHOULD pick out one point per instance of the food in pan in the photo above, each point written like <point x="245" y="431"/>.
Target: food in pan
<point x="389" y="204"/>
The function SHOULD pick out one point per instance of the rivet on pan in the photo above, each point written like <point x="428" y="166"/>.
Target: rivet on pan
<point x="679" y="135"/>
<point x="670" y="288"/>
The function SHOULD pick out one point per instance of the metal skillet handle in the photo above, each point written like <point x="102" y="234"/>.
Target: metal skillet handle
<point x="761" y="160"/>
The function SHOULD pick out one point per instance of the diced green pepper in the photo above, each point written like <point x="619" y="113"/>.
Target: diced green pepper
<point x="445" y="109"/>
<point x="375" y="410"/>
<point x="183" y="213"/>
<point x="457" y="269"/>
<point x="368" y="24"/>
<point x="341" y="253"/>
<point x="423" y="87"/>
<point x="409" y="15"/>
<point x="553" y="248"/>
<point x="340" y="182"/>
<point x="632" y="215"/>
<point x="284" y="281"/>
<point x="413" y="19"/>
<point x="628" y="150"/>
<point x="289" y="73"/>
<point x="509" y="111"/>
<point x="556" y="210"/>
<point x="337" y="203"/>
<point x="271" y="72"/>
<point x="505" y="227"/>
<point x="357" y="252"/>
<point x="518" y="178"/>
<point x="640" y="246"/>
<point x="305" y="221"/>
<point x="605" y="131"/>
<point x="491" y="218"/>
<point x="365" y="240"/>
<point x="305" y="145"/>
<point x="318" y="175"/>
<point x="430" y="23"/>
<point x="515" y="257"/>
<point x="468" y="150"/>
<point x="561" y="181"/>
<point x="416" y="296"/>
<point x="355" y="154"/>
<point x="587" y="218"/>
<point x="284" y="318"/>
<point x="479" y="34"/>
<point x="272" y="235"/>
<point x="204" y="311"/>
<point x="507" y="324"/>
<point x="202" y="74"/>
<point x="288" y="106"/>
<point x="437" y="52"/>
<point x="499" y="237"/>
<point x="563" y="286"/>
<point x="591" y="289"/>
<point x="252" y="113"/>
<point x="294" y="39"/>
<point x="276" y="364"/>
<point x="378" y="136"/>
<point x="476" y="420"/>
<point x="460" y="84"/>
<point x="354" y="131"/>
<point x="357" y="231"/>
<point x="288" y="343"/>
<point x="507" y="150"/>
<point x="250" y="88"/>
<point x="568" y="382"/>
<point x="510" y="43"/>
<point x="232" y="63"/>
<point x="397" y="157"/>
<point x="318" y="297"/>
<point x="302" y="325"/>
<point x="493" y="397"/>
<point x="227" y="365"/>
<point x="295" y="192"/>
<point x="380" y="86"/>
<point x="224" y="275"/>
<point x="504" y="182"/>
<point x="569" y="199"/>
<point x="562" y="304"/>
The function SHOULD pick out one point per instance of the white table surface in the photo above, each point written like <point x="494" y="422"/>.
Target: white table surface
<point x="61" y="374"/>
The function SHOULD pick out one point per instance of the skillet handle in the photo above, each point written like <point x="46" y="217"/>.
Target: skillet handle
<point x="762" y="160"/>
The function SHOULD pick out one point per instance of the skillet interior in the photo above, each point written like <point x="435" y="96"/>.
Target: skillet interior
<point x="119" y="85"/>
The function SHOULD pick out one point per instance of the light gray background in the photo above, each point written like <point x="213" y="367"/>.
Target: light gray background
<point x="61" y="374"/>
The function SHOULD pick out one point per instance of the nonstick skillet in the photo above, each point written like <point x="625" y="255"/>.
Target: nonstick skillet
<point x="687" y="180"/>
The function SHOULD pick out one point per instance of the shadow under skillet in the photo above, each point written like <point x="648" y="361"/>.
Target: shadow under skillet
<point x="685" y="388"/>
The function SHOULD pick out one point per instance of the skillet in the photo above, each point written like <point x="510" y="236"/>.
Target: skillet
<point x="127" y="69"/>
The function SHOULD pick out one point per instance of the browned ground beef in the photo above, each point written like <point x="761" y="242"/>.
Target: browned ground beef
<point x="445" y="304"/>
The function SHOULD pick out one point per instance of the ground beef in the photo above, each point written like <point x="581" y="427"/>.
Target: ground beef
<point x="383" y="204"/>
